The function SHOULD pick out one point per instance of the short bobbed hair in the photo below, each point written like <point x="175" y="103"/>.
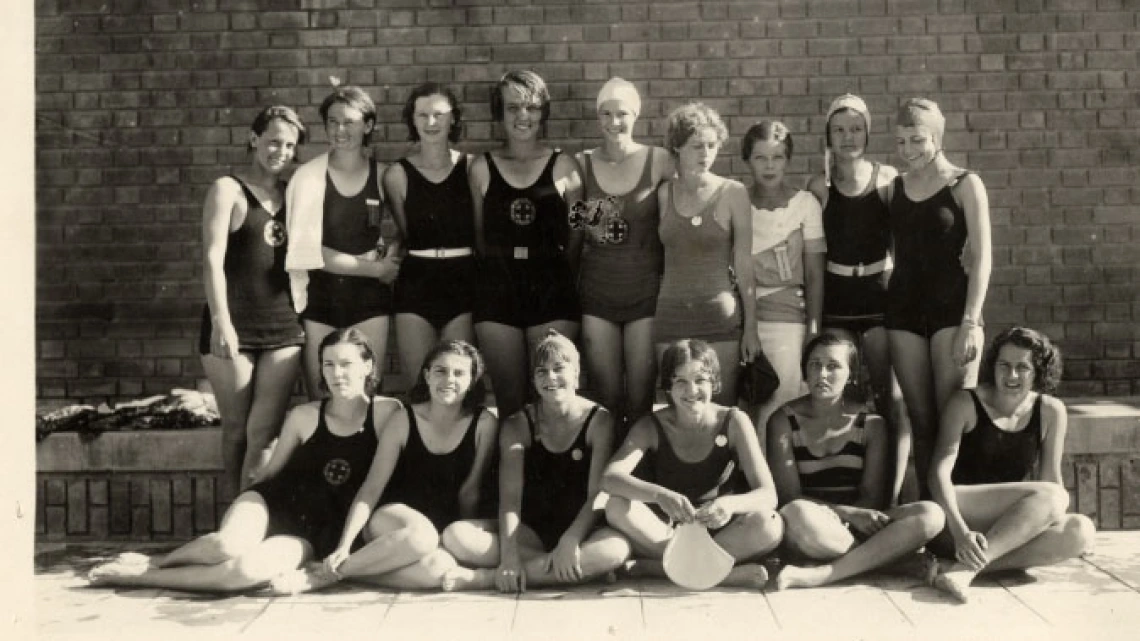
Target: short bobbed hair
<point x="687" y="120"/>
<point x="351" y="336"/>
<point x="554" y="348"/>
<point x="476" y="394"/>
<point x="1046" y="357"/>
<point x="682" y="352"/>
<point x="530" y="83"/>
<point x="433" y="89"/>
<point x="279" y="112"/>
<point x="766" y="131"/>
<point x="356" y="98"/>
<point x="825" y="339"/>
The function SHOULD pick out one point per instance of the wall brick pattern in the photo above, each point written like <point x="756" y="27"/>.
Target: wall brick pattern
<point x="139" y="105"/>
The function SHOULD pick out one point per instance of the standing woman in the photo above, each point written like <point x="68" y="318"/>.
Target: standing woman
<point x="522" y="232"/>
<point x="341" y="273"/>
<point x="621" y="258"/>
<point x="997" y="467"/>
<point x="431" y="204"/>
<point x="856" y="223"/>
<point x="706" y="230"/>
<point x="250" y="338"/>
<point x="940" y="224"/>
<point x="553" y="453"/>
<point x="787" y="255"/>
<point x="292" y="513"/>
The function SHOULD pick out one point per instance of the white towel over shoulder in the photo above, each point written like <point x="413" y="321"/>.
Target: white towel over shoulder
<point x="304" y="216"/>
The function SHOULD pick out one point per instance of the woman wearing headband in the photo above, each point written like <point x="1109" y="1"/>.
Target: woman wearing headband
<point x="940" y="224"/>
<point x="853" y="191"/>
<point x="621" y="258"/>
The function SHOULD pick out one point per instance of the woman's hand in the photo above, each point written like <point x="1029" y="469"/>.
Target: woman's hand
<point x="712" y="515"/>
<point x="566" y="561"/>
<point x="970" y="550"/>
<point x="509" y="577"/>
<point x="967" y="343"/>
<point x="749" y="345"/>
<point x="224" y="341"/>
<point x="676" y="506"/>
<point x="866" y="522"/>
<point x="389" y="268"/>
<point x="334" y="560"/>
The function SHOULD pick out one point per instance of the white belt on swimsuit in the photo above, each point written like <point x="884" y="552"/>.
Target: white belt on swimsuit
<point x="876" y="267"/>
<point x="441" y="252"/>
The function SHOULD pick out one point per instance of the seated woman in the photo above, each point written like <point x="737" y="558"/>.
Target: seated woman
<point x="292" y="512"/>
<point x="997" y="467"/>
<point x="830" y="460"/>
<point x="428" y="473"/>
<point x="698" y="452"/>
<point x="552" y="456"/>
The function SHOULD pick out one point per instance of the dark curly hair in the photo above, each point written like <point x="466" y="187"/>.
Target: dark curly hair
<point x="355" y="337"/>
<point x="684" y="351"/>
<point x="433" y="89"/>
<point x="853" y="390"/>
<point x="1046" y="357"/>
<point x="476" y="394"/>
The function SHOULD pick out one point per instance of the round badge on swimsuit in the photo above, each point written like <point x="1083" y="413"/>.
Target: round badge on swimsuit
<point x="523" y="211"/>
<point x="337" y="471"/>
<point x="273" y="233"/>
<point x="576" y="454"/>
<point x="615" y="230"/>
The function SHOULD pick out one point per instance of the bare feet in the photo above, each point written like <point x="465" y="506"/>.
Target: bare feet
<point x="465" y="579"/>
<point x="746" y="575"/>
<point x="309" y="579"/>
<point x="117" y="573"/>
<point x="794" y="576"/>
<point x="955" y="581"/>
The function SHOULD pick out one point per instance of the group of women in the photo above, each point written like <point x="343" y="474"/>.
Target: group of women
<point x="676" y="278"/>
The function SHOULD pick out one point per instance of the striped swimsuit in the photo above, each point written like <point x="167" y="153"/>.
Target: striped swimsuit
<point x="833" y="477"/>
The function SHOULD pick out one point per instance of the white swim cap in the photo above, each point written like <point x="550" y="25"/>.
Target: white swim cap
<point x="621" y="90"/>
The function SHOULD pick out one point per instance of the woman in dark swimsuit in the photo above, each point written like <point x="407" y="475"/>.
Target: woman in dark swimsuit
<point x="293" y="511"/>
<point x="997" y="467"/>
<point x="251" y="338"/>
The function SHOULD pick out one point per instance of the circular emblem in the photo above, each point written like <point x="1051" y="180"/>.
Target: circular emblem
<point x="522" y="212"/>
<point x="695" y="221"/>
<point x="273" y="233"/>
<point x="721" y="440"/>
<point x="337" y="471"/>
<point x="577" y="216"/>
<point x="576" y="454"/>
<point x="615" y="231"/>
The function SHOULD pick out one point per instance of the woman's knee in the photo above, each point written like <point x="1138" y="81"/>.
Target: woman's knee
<point x="814" y="531"/>
<point x="766" y="529"/>
<point x="1053" y="499"/>
<point x="420" y="534"/>
<point x="438" y="562"/>
<point x="1078" y="534"/>
<point x="610" y="549"/>
<point x="618" y="511"/>
<point x="929" y="517"/>
<point x="457" y="538"/>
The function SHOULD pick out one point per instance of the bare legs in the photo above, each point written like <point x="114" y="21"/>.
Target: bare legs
<point x="620" y="365"/>
<point x="475" y="544"/>
<point x="928" y="376"/>
<point x="1024" y="524"/>
<point x="416" y="336"/>
<point x="747" y="537"/>
<point x="814" y="531"/>
<point x="252" y="392"/>
<point x="505" y="349"/>
<point x="236" y="557"/>
<point x="374" y="329"/>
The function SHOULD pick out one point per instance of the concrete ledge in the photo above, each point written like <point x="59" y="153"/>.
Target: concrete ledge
<point x="138" y="451"/>
<point x="1103" y="425"/>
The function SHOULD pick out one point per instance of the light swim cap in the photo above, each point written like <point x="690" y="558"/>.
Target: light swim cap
<point x="621" y="90"/>
<point x="852" y="102"/>
<point x="920" y="112"/>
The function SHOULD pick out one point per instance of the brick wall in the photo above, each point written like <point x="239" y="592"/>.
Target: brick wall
<point x="139" y="105"/>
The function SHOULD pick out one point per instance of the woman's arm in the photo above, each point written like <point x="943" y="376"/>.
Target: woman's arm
<point x="299" y="425"/>
<point x="478" y="178"/>
<point x="1054" y="426"/>
<point x="817" y="185"/>
<point x="958" y="415"/>
<point x="781" y="459"/>
<point x="486" y="440"/>
<point x="224" y="207"/>
<point x="740" y="208"/>
<point x="976" y="207"/>
<point x="568" y="181"/>
<point x="600" y="438"/>
<point x="395" y="194"/>
<point x="742" y="438"/>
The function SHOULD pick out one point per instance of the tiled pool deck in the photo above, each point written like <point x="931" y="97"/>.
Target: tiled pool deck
<point x="1097" y="597"/>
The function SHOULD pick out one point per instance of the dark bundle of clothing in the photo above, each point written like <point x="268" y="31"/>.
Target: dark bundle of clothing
<point x="181" y="409"/>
